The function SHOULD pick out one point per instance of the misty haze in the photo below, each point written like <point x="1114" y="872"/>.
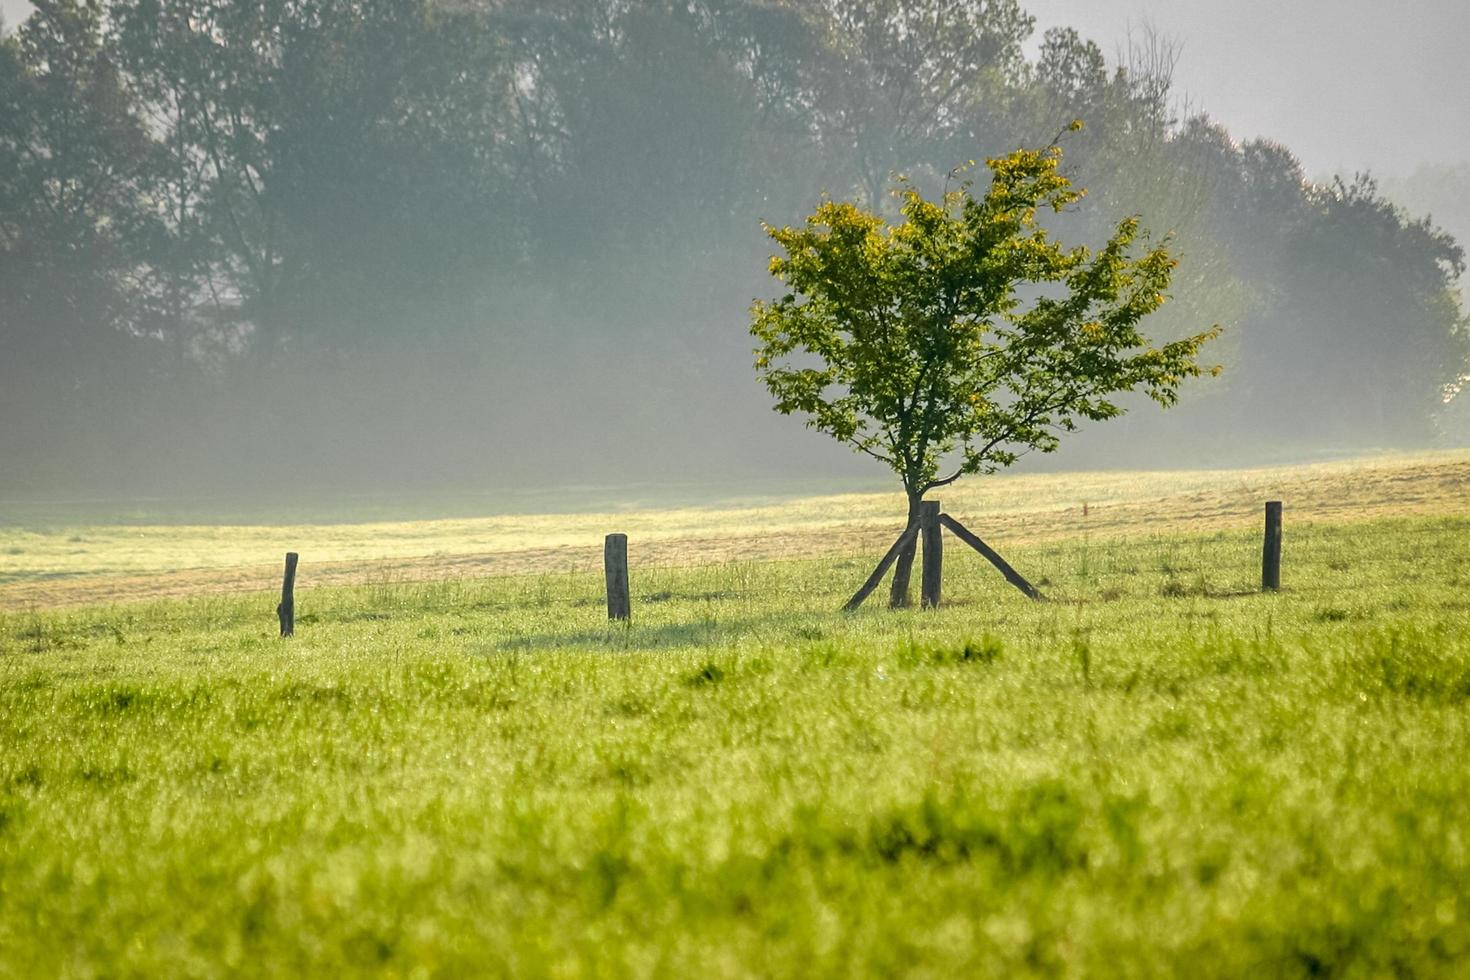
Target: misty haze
<point x="703" y="488"/>
<point x="513" y="246"/>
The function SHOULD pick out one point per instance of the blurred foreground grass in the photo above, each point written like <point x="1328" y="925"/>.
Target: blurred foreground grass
<point x="1160" y="772"/>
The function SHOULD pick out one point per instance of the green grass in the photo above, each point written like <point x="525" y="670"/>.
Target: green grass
<point x="45" y="564"/>
<point x="1162" y="772"/>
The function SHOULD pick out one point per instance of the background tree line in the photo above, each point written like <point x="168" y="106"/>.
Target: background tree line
<point x="426" y="242"/>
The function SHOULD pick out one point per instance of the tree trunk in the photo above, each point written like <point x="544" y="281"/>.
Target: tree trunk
<point x="877" y="576"/>
<point x="898" y="593"/>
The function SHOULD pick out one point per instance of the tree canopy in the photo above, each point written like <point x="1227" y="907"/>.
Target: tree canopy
<point x="966" y="329"/>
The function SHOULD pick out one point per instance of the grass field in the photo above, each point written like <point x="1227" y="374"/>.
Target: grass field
<point x="51" y="560"/>
<point x="1160" y="772"/>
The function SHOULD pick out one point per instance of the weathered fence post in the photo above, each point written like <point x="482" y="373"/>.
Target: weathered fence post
<point x="1271" y="552"/>
<point x="933" y="571"/>
<point x="286" y="611"/>
<point x="615" y="570"/>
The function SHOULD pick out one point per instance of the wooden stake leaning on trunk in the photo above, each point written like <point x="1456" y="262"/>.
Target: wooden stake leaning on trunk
<point x="929" y="525"/>
<point x="904" y="540"/>
<point x="1012" y="576"/>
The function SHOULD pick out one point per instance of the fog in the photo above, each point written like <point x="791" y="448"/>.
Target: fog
<point x="512" y="246"/>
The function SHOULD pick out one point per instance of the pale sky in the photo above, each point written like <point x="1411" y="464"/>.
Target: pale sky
<point x="14" y="10"/>
<point x="1347" y="84"/>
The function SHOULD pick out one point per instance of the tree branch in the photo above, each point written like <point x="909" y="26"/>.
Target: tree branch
<point x="864" y="449"/>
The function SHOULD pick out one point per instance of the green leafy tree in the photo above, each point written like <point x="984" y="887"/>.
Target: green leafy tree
<point x="902" y="76"/>
<point x="71" y="148"/>
<point x="966" y="333"/>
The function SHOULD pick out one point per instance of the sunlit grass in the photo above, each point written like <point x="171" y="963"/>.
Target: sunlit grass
<point x="44" y="565"/>
<point x="1161" y="771"/>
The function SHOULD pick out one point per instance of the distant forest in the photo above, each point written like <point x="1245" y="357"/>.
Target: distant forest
<point x="368" y="243"/>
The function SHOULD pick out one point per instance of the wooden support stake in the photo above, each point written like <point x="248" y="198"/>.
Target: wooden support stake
<point x="615" y="570"/>
<point x="1012" y="576"/>
<point x="1271" y="551"/>
<point x="933" y="571"/>
<point x="904" y="539"/>
<point x="286" y="611"/>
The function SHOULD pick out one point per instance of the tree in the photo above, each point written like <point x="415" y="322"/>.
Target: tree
<point x="71" y="150"/>
<point x="319" y="162"/>
<point x="903" y="75"/>
<point x="1369" y="331"/>
<point x="916" y="343"/>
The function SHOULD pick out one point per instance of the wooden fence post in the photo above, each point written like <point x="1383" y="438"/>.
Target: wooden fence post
<point x="286" y="611"/>
<point x="615" y="570"/>
<point x="1271" y="552"/>
<point x="933" y="570"/>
